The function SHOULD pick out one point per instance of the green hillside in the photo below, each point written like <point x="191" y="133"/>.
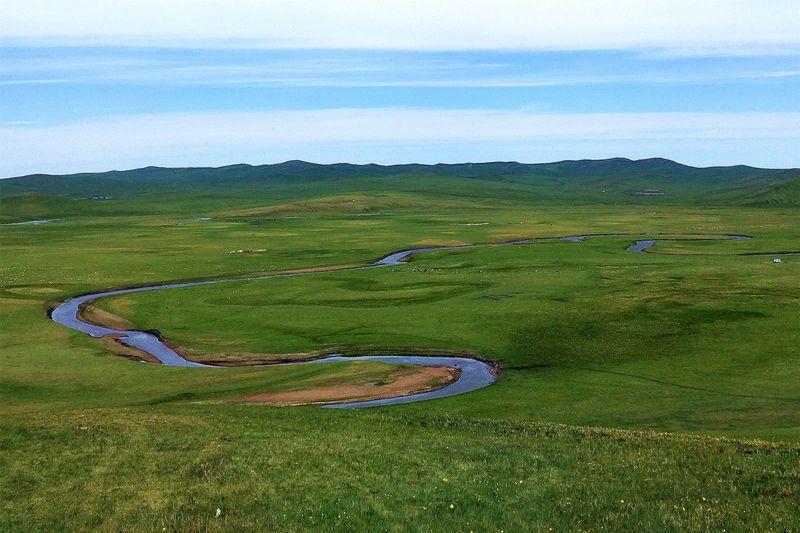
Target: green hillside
<point x="615" y="180"/>
<point x="36" y="206"/>
<point x="783" y="193"/>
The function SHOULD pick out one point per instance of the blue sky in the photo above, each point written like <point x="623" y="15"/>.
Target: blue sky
<point x="93" y="88"/>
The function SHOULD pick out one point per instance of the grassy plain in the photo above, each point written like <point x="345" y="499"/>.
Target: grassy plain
<point x="698" y="341"/>
<point x="586" y="333"/>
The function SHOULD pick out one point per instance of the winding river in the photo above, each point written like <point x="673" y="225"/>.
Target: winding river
<point x="474" y="374"/>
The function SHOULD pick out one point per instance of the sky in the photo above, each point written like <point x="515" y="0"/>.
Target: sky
<point x="91" y="85"/>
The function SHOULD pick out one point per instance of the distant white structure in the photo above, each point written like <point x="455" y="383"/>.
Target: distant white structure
<point x="776" y="260"/>
<point x="259" y="251"/>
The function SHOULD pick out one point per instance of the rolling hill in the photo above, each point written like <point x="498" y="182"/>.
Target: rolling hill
<point x="616" y="180"/>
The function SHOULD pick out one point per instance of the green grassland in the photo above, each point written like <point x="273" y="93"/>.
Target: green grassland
<point x="587" y="333"/>
<point x="653" y="390"/>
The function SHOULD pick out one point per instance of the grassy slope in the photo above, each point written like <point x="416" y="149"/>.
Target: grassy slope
<point x="782" y="193"/>
<point x="92" y="440"/>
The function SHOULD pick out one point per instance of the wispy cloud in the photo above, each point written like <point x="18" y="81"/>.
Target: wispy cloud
<point x="391" y="135"/>
<point x="724" y="26"/>
<point x="372" y="69"/>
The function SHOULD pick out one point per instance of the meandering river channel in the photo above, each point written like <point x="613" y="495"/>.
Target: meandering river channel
<point x="474" y="374"/>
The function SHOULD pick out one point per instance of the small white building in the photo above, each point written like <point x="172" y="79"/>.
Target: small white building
<point x="776" y="260"/>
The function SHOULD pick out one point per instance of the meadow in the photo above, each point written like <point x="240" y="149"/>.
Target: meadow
<point x="654" y="390"/>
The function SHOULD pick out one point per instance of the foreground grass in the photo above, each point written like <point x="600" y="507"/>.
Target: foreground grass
<point x="172" y="466"/>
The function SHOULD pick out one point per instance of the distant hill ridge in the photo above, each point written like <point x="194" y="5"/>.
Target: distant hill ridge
<point x="615" y="164"/>
<point x="728" y="183"/>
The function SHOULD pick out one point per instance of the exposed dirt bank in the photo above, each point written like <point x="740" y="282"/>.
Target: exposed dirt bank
<point x="402" y="382"/>
<point x="113" y="344"/>
<point x="88" y="312"/>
